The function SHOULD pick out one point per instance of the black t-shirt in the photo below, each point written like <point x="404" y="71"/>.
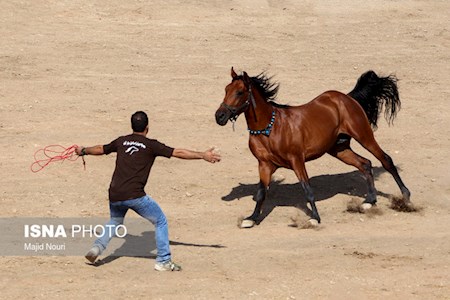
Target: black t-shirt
<point x="135" y="156"/>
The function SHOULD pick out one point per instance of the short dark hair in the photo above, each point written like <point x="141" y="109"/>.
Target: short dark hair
<point x="139" y="121"/>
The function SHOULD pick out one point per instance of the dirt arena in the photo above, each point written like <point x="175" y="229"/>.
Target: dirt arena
<point x="72" y="72"/>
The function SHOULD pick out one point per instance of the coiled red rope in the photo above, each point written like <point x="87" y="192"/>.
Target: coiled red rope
<point x="53" y="153"/>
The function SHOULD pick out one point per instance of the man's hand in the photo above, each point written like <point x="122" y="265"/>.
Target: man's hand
<point x="211" y="155"/>
<point x="79" y="150"/>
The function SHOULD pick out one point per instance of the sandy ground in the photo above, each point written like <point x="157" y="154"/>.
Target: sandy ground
<point x="72" y="72"/>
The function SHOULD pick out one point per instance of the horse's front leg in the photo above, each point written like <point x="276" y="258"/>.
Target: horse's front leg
<point x="302" y="175"/>
<point x="266" y="169"/>
<point x="315" y="218"/>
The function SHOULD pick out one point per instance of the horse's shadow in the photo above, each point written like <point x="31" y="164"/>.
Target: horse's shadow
<point x="142" y="246"/>
<point x="324" y="187"/>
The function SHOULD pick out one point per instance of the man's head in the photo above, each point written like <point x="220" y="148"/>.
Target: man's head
<point x="139" y="122"/>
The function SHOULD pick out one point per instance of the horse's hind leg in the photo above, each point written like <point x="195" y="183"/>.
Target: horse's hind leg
<point x="343" y="152"/>
<point x="266" y="169"/>
<point x="367" y="140"/>
<point x="388" y="164"/>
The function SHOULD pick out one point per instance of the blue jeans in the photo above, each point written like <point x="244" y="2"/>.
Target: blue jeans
<point x="147" y="208"/>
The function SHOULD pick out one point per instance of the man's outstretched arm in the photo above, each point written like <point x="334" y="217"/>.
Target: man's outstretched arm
<point x="208" y="155"/>
<point x="94" y="150"/>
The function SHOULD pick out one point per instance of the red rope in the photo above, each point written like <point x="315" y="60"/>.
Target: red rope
<point x="53" y="153"/>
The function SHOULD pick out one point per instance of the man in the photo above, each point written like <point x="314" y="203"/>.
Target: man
<point x="135" y="156"/>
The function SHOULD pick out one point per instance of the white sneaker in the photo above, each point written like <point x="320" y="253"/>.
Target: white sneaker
<point x="93" y="254"/>
<point x="167" y="266"/>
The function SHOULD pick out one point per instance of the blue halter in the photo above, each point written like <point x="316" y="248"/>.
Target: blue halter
<point x="266" y="131"/>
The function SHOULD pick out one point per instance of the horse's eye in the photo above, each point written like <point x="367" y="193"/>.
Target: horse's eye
<point x="239" y="93"/>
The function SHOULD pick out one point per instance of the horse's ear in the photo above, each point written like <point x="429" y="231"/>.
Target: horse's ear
<point x="233" y="73"/>
<point x="246" y="78"/>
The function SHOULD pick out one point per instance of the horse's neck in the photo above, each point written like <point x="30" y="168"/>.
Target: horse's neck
<point x="259" y="114"/>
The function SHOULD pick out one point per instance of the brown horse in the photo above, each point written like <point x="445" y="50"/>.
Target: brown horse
<point x="289" y="136"/>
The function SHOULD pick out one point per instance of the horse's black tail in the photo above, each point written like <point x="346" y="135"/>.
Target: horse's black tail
<point x="372" y="91"/>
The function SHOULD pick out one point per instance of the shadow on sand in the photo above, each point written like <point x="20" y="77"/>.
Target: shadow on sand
<point x="142" y="246"/>
<point x="324" y="187"/>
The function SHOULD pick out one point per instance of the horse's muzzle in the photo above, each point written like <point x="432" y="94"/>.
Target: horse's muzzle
<point x="222" y="117"/>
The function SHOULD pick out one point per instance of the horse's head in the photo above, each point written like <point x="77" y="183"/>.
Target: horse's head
<point x="237" y="98"/>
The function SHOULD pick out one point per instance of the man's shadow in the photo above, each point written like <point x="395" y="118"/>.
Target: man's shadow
<point x="142" y="246"/>
<point x="324" y="187"/>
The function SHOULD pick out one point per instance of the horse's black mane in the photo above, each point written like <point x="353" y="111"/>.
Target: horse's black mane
<point x="266" y="87"/>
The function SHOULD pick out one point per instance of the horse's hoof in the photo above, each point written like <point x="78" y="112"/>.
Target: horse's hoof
<point x="246" y="223"/>
<point x="313" y="222"/>
<point x="366" y="206"/>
